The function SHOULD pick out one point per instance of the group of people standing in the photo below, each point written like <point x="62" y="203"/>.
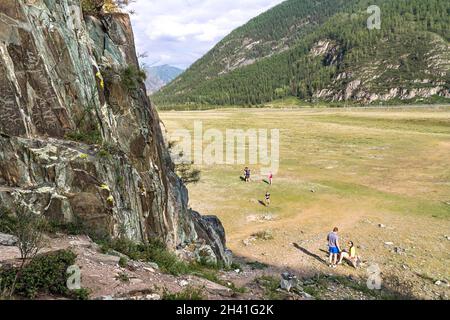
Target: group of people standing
<point x="247" y="178"/>
<point x="337" y="256"/>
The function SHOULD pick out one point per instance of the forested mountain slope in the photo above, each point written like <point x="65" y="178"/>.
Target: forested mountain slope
<point x="323" y="50"/>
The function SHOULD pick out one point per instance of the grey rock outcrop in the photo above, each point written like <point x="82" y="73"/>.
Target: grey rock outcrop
<point x="288" y="281"/>
<point x="7" y="240"/>
<point x="79" y="138"/>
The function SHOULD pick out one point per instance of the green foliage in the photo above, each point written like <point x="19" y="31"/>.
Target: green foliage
<point x="318" y="288"/>
<point x="108" y="150"/>
<point x="103" y="153"/>
<point x="235" y="266"/>
<point x="155" y="251"/>
<point x="263" y="235"/>
<point x="80" y="294"/>
<point x="91" y="7"/>
<point x="123" y="277"/>
<point x="132" y="77"/>
<point x="89" y="137"/>
<point x="188" y="173"/>
<point x="256" y="265"/>
<point x="45" y="274"/>
<point x="123" y="262"/>
<point x="8" y="222"/>
<point x="189" y="293"/>
<point x="70" y="228"/>
<point x="95" y="7"/>
<point x="270" y="285"/>
<point x="29" y="232"/>
<point x="300" y="25"/>
<point x="168" y="262"/>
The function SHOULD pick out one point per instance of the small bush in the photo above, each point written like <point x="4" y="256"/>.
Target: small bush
<point x="80" y="294"/>
<point x="263" y="235"/>
<point x="123" y="277"/>
<point x="189" y="293"/>
<point x="45" y="274"/>
<point x="132" y="77"/>
<point x="95" y="7"/>
<point x="235" y="266"/>
<point x="123" y="262"/>
<point x="103" y="153"/>
<point x="91" y="7"/>
<point x="88" y="137"/>
<point x="188" y="173"/>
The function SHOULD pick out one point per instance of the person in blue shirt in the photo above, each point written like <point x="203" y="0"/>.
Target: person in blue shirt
<point x="333" y="247"/>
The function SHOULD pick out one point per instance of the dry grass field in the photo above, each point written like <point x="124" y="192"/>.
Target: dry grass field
<point x="381" y="175"/>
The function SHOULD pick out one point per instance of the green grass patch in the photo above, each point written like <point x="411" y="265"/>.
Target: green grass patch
<point x="318" y="288"/>
<point x="256" y="265"/>
<point x="270" y="285"/>
<point x="189" y="293"/>
<point x="157" y="252"/>
<point x="123" y="277"/>
<point x="88" y="137"/>
<point x="154" y="251"/>
<point x="393" y="202"/>
<point x="423" y="125"/>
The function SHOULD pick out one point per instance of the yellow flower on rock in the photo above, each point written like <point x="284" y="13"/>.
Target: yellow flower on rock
<point x="99" y="76"/>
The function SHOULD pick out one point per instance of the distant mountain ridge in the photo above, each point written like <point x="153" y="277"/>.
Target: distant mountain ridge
<point x="322" y="50"/>
<point x="159" y="76"/>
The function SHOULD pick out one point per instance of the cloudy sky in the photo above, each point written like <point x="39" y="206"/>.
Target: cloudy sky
<point x="178" y="32"/>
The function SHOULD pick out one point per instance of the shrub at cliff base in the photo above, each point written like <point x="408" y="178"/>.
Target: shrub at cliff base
<point x="45" y="274"/>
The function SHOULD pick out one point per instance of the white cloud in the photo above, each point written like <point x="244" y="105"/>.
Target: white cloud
<point x="178" y="32"/>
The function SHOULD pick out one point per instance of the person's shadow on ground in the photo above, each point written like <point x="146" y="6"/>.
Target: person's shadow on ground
<point x="266" y="181"/>
<point x="242" y="178"/>
<point x="262" y="203"/>
<point x="313" y="255"/>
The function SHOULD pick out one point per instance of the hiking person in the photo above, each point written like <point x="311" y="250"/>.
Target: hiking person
<point x="267" y="199"/>
<point x="333" y="247"/>
<point x="270" y="178"/>
<point x="247" y="174"/>
<point x="350" y="255"/>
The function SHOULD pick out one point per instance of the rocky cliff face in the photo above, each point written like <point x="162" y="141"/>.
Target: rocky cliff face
<point x="384" y="78"/>
<point x="79" y="138"/>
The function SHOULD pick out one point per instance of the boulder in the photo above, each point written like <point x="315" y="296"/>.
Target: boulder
<point x="8" y="240"/>
<point x="205" y="254"/>
<point x="288" y="281"/>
